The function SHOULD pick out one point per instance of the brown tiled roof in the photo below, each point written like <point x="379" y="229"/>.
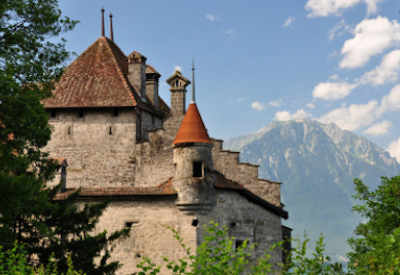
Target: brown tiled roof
<point x="165" y="189"/>
<point x="192" y="128"/>
<point x="95" y="79"/>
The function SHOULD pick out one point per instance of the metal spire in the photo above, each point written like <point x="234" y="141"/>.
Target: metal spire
<point x="193" y="85"/>
<point x="102" y="22"/>
<point x="111" y="28"/>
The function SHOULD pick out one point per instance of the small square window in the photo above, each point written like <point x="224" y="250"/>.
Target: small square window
<point x="81" y="113"/>
<point x="197" y="169"/>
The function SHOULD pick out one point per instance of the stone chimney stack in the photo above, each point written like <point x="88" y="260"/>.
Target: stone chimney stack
<point x="178" y="85"/>
<point x="137" y="72"/>
<point x="152" y="77"/>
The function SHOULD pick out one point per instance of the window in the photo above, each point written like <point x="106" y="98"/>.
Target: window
<point x="238" y="243"/>
<point x="81" y="113"/>
<point x="197" y="169"/>
<point x="116" y="112"/>
<point x="195" y="222"/>
<point x="69" y="130"/>
<point x="53" y="114"/>
<point x="110" y="131"/>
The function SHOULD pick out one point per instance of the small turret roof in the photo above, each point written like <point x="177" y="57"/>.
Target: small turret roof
<point x="192" y="129"/>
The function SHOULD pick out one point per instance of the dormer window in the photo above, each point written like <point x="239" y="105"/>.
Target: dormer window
<point x="198" y="169"/>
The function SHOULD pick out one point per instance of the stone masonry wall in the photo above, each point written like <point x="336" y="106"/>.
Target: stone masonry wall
<point x="245" y="220"/>
<point x="227" y="162"/>
<point x="154" y="159"/>
<point x="99" y="147"/>
<point x="149" y="235"/>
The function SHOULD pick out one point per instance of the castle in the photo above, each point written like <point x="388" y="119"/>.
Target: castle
<point x="155" y="163"/>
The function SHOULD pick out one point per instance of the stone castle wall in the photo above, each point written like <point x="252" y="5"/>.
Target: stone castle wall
<point x="245" y="220"/>
<point x="150" y="235"/>
<point x="151" y="219"/>
<point x="227" y="162"/>
<point x="99" y="146"/>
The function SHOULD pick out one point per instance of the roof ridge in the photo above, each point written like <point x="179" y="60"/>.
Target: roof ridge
<point x="121" y="73"/>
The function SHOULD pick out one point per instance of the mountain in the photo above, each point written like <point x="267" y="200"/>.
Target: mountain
<point x="316" y="164"/>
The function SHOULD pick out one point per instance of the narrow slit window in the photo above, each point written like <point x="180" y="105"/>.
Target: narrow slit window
<point x="110" y="131"/>
<point x="69" y="130"/>
<point x="197" y="169"/>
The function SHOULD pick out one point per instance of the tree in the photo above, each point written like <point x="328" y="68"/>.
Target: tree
<point x="29" y="65"/>
<point x="376" y="246"/>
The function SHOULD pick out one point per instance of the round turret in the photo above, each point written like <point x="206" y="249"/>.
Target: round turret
<point x="193" y="162"/>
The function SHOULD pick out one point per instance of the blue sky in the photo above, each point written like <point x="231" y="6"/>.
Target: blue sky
<point x="259" y="61"/>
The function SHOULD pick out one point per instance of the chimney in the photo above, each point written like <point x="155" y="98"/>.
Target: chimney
<point x="178" y="85"/>
<point x="137" y="72"/>
<point x="152" y="77"/>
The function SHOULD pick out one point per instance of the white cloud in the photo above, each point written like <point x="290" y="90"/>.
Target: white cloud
<point x="285" y="115"/>
<point x="310" y="105"/>
<point x="379" y="129"/>
<point x="210" y="17"/>
<point x="334" y="77"/>
<point x="319" y="8"/>
<point x="371" y="37"/>
<point x="353" y="117"/>
<point x="390" y="102"/>
<point x="357" y="116"/>
<point x="332" y="90"/>
<point x="289" y="21"/>
<point x="339" y="29"/>
<point x="394" y="149"/>
<point x="388" y="70"/>
<point x="275" y="103"/>
<point x="372" y="6"/>
<point x="257" y="105"/>
<point x="230" y="32"/>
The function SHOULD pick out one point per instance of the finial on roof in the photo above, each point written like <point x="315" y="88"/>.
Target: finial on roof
<point x="102" y="22"/>
<point x="111" y="28"/>
<point x="193" y="85"/>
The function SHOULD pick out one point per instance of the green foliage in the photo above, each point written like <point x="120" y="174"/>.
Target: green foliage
<point x="300" y="263"/>
<point x="31" y="59"/>
<point x="217" y="255"/>
<point x="376" y="247"/>
<point x="13" y="262"/>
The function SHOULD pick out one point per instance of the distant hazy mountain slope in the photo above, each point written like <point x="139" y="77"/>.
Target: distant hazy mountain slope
<point x="317" y="164"/>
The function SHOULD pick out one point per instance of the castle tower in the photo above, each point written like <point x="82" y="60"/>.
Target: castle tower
<point x="193" y="162"/>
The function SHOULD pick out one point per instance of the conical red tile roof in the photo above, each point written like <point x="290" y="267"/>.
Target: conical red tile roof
<point x="192" y="128"/>
<point x="97" y="78"/>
